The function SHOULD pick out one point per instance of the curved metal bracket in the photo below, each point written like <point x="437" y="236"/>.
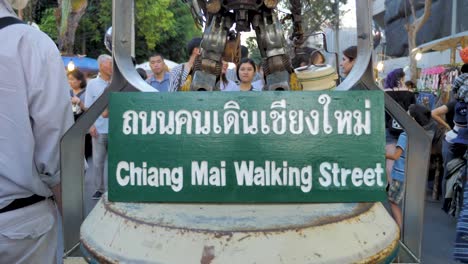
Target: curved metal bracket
<point x="419" y="143"/>
<point x="364" y="45"/>
<point x="123" y="43"/>
<point x="124" y="78"/>
<point x="417" y="164"/>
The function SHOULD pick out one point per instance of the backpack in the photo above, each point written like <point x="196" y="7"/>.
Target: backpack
<point x="438" y="133"/>
<point x="456" y="170"/>
<point x="395" y="128"/>
<point x="401" y="97"/>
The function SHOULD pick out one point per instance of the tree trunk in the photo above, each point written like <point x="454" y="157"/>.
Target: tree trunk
<point x="83" y="44"/>
<point x="412" y="30"/>
<point x="71" y="12"/>
<point x="412" y="46"/>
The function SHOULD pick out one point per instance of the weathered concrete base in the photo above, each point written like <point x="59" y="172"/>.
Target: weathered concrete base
<point x="74" y="260"/>
<point x="213" y="233"/>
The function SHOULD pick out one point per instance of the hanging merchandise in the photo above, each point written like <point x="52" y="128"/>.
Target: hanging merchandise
<point x="434" y="82"/>
<point x="427" y="99"/>
<point x="437" y="79"/>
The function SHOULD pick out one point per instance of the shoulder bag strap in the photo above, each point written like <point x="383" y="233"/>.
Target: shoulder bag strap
<point x="179" y="83"/>
<point x="6" y="21"/>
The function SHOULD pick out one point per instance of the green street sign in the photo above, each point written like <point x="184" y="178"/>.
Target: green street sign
<point x="247" y="147"/>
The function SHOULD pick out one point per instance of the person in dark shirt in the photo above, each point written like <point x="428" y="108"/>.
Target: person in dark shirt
<point x="394" y="86"/>
<point x="411" y="86"/>
<point x="451" y="125"/>
<point x="448" y="110"/>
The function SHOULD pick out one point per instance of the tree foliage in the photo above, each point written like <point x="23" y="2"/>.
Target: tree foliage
<point x="48" y="23"/>
<point x="254" y="52"/>
<point x="154" y="21"/>
<point x="315" y="14"/>
<point x="164" y="26"/>
<point x="68" y="15"/>
<point x="174" y="47"/>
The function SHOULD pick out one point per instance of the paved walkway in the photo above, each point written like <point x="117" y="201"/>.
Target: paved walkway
<point x="89" y="189"/>
<point x="438" y="235"/>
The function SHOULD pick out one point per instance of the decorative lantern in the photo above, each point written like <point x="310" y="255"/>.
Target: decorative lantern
<point x="464" y="54"/>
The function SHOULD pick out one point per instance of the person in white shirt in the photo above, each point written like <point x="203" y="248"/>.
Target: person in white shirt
<point x="245" y="73"/>
<point x="231" y="74"/>
<point x="35" y="112"/>
<point x="226" y="85"/>
<point x="260" y="82"/>
<point x="180" y="73"/>
<point x="99" y="130"/>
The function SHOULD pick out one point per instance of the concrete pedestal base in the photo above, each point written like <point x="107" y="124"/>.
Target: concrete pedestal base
<point x="243" y="233"/>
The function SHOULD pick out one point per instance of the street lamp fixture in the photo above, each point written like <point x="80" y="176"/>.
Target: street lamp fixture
<point x="418" y="56"/>
<point x="71" y="66"/>
<point x="380" y="66"/>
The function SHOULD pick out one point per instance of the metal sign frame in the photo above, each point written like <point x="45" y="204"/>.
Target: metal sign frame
<point x="126" y="78"/>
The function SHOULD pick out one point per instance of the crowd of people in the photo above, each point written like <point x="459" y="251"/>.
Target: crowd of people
<point x="447" y="124"/>
<point x="245" y="77"/>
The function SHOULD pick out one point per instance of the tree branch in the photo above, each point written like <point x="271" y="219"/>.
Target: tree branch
<point x="425" y="16"/>
<point x="413" y="11"/>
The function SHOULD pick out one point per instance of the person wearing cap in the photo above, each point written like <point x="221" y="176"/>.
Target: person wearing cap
<point x="451" y="149"/>
<point x="35" y="113"/>
<point x="462" y="137"/>
<point x="459" y="120"/>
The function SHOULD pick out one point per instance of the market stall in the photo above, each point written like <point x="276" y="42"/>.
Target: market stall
<point x="434" y="83"/>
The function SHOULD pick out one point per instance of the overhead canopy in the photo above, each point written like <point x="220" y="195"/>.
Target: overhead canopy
<point x="442" y="44"/>
<point x="84" y="64"/>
